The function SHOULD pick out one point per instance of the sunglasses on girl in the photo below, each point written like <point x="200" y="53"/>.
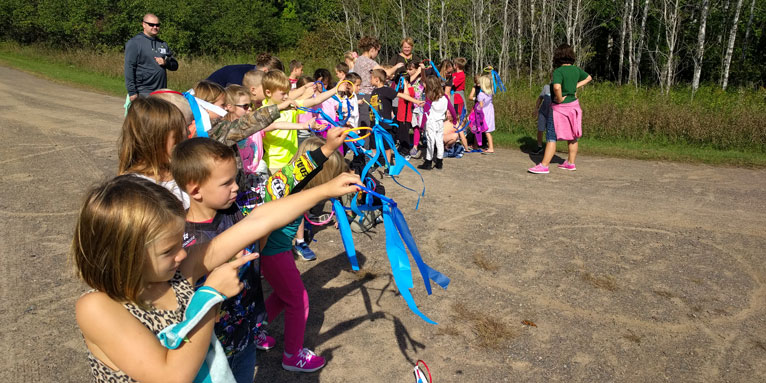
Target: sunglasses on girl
<point x="246" y="107"/>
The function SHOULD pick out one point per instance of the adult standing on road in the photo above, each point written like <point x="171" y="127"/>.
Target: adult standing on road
<point x="566" y="111"/>
<point x="147" y="58"/>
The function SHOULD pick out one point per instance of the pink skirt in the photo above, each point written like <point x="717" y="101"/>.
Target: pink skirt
<point x="567" y="120"/>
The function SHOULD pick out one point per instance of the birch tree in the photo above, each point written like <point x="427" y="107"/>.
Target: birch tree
<point x="700" y="47"/>
<point x="730" y="46"/>
<point x="623" y="32"/>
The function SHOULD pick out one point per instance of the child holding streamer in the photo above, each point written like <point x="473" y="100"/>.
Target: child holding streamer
<point x="484" y="98"/>
<point x="278" y="265"/>
<point x="127" y="247"/>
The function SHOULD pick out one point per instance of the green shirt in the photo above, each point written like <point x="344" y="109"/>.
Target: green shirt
<point x="568" y="76"/>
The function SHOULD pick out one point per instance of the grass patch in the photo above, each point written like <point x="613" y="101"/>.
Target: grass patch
<point x="632" y="337"/>
<point x="606" y="282"/>
<point x="365" y="275"/>
<point x="480" y="260"/>
<point x="490" y="332"/>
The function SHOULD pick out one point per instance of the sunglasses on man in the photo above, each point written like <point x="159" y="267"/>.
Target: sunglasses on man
<point x="153" y="25"/>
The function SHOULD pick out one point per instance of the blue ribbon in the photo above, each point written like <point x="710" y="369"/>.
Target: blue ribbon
<point x="461" y="121"/>
<point x="197" y="114"/>
<point x="436" y="70"/>
<point x="345" y="233"/>
<point x="398" y="240"/>
<point x="497" y="82"/>
<point x="400" y="84"/>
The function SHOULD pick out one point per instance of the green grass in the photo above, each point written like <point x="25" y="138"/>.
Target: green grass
<point x="62" y="72"/>
<point x="654" y="151"/>
<point x="717" y="128"/>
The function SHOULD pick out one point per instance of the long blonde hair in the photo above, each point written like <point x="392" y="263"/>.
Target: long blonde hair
<point x="331" y="168"/>
<point x="143" y="143"/>
<point x="117" y="222"/>
<point x="485" y="82"/>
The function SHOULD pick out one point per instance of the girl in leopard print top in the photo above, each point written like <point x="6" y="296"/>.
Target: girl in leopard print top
<point x="127" y="247"/>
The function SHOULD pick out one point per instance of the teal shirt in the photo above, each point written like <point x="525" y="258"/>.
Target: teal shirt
<point x="568" y="76"/>
<point x="281" y="240"/>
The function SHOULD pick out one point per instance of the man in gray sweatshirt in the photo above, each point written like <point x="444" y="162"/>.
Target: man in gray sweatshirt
<point x="146" y="60"/>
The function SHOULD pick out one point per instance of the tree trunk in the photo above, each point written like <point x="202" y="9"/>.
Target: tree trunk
<point x="671" y="38"/>
<point x="518" y="38"/>
<point x="504" y="64"/>
<point x="630" y="40"/>
<point x="730" y="47"/>
<point x="640" y="50"/>
<point x="700" y="47"/>
<point x="443" y="32"/>
<point x="747" y="31"/>
<point x="532" y="32"/>
<point x="622" y="42"/>
<point x="428" y="26"/>
<point x="401" y="19"/>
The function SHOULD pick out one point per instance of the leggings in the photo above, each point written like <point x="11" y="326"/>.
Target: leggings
<point x="289" y="295"/>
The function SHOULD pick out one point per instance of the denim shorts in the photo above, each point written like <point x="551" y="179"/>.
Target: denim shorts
<point x="550" y="131"/>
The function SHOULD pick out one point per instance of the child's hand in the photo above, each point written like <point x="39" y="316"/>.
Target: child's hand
<point x="341" y="185"/>
<point x="335" y="138"/>
<point x="225" y="278"/>
<point x="420" y="103"/>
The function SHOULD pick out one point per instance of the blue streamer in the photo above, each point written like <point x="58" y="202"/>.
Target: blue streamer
<point x="197" y="114"/>
<point x="436" y="70"/>
<point x="345" y="233"/>
<point x="497" y="82"/>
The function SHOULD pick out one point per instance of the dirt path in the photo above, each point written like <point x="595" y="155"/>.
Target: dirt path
<point x="632" y="271"/>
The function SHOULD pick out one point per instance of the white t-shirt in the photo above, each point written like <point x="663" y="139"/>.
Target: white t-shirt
<point x="438" y="111"/>
<point x="172" y="186"/>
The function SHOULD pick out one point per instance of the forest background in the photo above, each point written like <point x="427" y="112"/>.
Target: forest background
<point x="671" y="76"/>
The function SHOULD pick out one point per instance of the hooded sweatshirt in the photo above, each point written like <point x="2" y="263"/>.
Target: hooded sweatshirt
<point x="142" y="74"/>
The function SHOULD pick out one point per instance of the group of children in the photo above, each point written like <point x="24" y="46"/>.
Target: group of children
<point x="212" y="191"/>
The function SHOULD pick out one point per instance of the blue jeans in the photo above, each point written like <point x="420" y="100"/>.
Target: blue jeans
<point x="550" y="131"/>
<point x="243" y="364"/>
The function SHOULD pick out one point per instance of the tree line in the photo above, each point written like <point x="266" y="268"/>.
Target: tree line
<point x="661" y="43"/>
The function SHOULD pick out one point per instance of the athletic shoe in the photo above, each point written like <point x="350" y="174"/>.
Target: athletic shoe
<point x="264" y="341"/>
<point x="539" y="150"/>
<point x="414" y="152"/>
<point x="303" y="252"/>
<point x="567" y="166"/>
<point x="539" y="169"/>
<point x="304" y="361"/>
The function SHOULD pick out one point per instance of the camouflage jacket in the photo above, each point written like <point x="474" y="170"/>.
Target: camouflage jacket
<point x="230" y="132"/>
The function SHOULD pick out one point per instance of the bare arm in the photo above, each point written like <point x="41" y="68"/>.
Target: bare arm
<point x="120" y="341"/>
<point x="265" y="219"/>
<point x="583" y="82"/>
<point x="320" y="98"/>
<point x="557" y="93"/>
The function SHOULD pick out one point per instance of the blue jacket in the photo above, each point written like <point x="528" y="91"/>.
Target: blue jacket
<point x="142" y="74"/>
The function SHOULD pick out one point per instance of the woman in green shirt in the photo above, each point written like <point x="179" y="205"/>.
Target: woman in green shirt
<point x="567" y="115"/>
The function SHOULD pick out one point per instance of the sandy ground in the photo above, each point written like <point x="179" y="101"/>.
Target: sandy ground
<point x="632" y="271"/>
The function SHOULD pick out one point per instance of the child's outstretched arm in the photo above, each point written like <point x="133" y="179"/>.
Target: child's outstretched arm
<point x="120" y="341"/>
<point x="265" y="219"/>
<point x="411" y="99"/>
<point x="284" y="125"/>
<point x="320" y="98"/>
<point x="230" y="132"/>
<point x="303" y="92"/>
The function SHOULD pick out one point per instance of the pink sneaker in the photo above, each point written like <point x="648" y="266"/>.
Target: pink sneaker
<point x="567" y="166"/>
<point x="264" y="341"/>
<point x="539" y="169"/>
<point x="304" y="361"/>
